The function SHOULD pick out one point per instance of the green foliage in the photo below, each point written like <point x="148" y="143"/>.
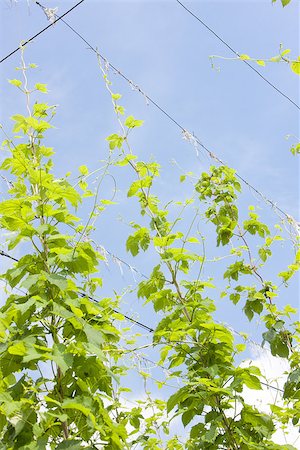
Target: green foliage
<point x="191" y="342"/>
<point x="282" y="57"/>
<point x="295" y="149"/>
<point x="283" y="2"/>
<point x="221" y="187"/>
<point x="51" y="322"/>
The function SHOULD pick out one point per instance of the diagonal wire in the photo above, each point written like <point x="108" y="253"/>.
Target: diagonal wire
<point x="237" y="54"/>
<point x="151" y="330"/>
<point x="144" y="326"/>
<point x="164" y="112"/>
<point x="173" y="120"/>
<point x="82" y="294"/>
<point x="187" y="135"/>
<point x="40" y="32"/>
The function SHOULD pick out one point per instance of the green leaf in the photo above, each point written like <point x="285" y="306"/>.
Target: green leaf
<point x="131" y="122"/>
<point x="41" y="87"/>
<point x="60" y="356"/>
<point x="251" y="381"/>
<point x="177" y="398"/>
<point x="17" y="349"/>
<point x="116" y="96"/>
<point x="119" y="109"/>
<point x="276" y="58"/>
<point x="285" y="2"/>
<point x="115" y="140"/>
<point x="295" y="149"/>
<point x="93" y="335"/>
<point x="140" y="239"/>
<point x="240" y="347"/>
<point x="295" y="66"/>
<point x="57" y="280"/>
<point x="73" y="404"/>
<point x="15" y="82"/>
<point x="244" y="57"/>
<point x="30" y="281"/>
<point x="187" y="416"/>
<point x="83" y="170"/>
<point x="70" y="444"/>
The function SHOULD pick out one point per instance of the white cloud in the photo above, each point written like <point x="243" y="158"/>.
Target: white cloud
<point x="274" y="370"/>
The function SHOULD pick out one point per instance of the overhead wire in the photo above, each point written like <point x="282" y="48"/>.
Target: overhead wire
<point x="171" y="118"/>
<point x="144" y="326"/>
<point x="136" y="87"/>
<point x="40" y="32"/>
<point x="83" y="294"/>
<point x="151" y="330"/>
<point x="186" y="134"/>
<point x="237" y="54"/>
<point x="138" y="323"/>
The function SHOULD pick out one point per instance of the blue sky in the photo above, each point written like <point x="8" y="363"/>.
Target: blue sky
<point x="166" y="52"/>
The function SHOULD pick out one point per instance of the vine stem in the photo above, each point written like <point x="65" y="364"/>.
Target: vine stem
<point x="133" y="165"/>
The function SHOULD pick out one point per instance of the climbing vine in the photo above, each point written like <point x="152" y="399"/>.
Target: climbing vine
<point x="62" y="348"/>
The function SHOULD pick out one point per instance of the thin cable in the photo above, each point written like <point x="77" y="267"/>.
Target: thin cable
<point x="140" y="324"/>
<point x="8" y="256"/>
<point x="40" y="32"/>
<point x="82" y="294"/>
<point x="237" y="54"/>
<point x="186" y="134"/>
<point x="265" y="199"/>
<point x="158" y="107"/>
<point x="136" y="322"/>
<point x="117" y="70"/>
<point x="151" y="330"/>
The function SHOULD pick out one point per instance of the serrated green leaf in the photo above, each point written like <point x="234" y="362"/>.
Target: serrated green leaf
<point x="83" y="170"/>
<point x="244" y="57"/>
<point x="131" y="122"/>
<point x="61" y="357"/>
<point x="295" y="66"/>
<point x="41" y="87"/>
<point x="15" y="82"/>
<point x="70" y="444"/>
<point x="17" y="349"/>
<point x="116" y="96"/>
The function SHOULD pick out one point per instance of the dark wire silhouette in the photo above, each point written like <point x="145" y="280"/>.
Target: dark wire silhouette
<point x="142" y="325"/>
<point x="82" y="294"/>
<point x="183" y="130"/>
<point x="237" y="54"/>
<point x="40" y="32"/>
